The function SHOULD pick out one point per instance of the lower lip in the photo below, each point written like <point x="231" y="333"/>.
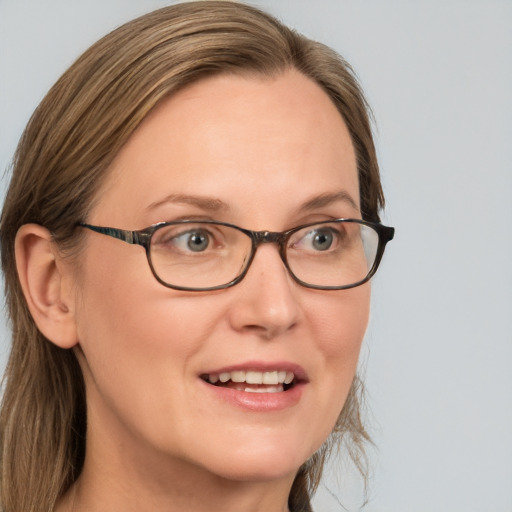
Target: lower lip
<point x="258" y="402"/>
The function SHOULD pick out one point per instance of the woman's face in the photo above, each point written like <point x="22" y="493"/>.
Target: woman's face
<point x="264" y="154"/>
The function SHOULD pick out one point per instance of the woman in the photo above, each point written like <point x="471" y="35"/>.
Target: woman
<point x="212" y="367"/>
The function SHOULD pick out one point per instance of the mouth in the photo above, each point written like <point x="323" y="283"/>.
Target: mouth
<point x="253" y="381"/>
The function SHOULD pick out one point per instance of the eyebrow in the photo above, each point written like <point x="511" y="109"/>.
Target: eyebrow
<point x="329" y="198"/>
<point x="211" y="204"/>
<point x="214" y="204"/>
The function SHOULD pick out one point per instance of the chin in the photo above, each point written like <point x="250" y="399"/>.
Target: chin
<point x="260" y="461"/>
<point x="257" y="471"/>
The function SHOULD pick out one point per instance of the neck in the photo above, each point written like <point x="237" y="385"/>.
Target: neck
<point x="93" y="495"/>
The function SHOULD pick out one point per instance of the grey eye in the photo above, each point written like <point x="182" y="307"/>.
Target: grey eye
<point x="322" y="240"/>
<point x="196" y="241"/>
<point x="317" y="239"/>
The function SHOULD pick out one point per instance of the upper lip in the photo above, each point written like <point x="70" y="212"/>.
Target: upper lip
<point x="262" y="366"/>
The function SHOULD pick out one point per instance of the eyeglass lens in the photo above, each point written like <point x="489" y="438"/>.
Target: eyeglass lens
<point x="207" y="255"/>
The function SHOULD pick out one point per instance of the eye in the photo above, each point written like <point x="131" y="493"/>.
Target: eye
<point x="195" y="239"/>
<point x="321" y="240"/>
<point x="318" y="238"/>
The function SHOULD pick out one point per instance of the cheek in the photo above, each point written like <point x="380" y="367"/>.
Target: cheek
<point x="130" y="330"/>
<point x="133" y="328"/>
<point x="340" y="325"/>
<point x="341" y="321"/>
<point x="138" y="347"/>
<point x="121" y="305"/>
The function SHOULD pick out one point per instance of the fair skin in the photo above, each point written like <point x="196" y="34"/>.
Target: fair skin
<point x="159" y="437"/>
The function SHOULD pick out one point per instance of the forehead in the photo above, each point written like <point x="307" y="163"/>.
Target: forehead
<point x="246" y="140"/>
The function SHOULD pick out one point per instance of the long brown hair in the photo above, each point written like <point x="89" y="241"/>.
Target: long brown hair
<point x="58" y="168"/>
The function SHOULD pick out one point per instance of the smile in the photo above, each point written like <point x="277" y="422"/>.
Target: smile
<point x="252" y="381"/>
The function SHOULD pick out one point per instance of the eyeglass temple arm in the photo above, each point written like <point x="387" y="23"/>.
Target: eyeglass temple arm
<point x="130" y="237"/>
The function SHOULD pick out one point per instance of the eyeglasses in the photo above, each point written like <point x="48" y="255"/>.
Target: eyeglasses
<point x="210" y="255"/>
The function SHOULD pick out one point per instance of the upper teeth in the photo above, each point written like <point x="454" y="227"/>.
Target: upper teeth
<point x="253" y="377"/>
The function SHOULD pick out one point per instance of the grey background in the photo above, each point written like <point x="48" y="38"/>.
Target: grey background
<point x="438" y="351"/>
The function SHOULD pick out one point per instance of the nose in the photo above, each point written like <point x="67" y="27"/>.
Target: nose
<point x="266" y="301"/>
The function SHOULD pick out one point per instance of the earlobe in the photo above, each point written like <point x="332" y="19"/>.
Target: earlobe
<point x="41" y="274"/>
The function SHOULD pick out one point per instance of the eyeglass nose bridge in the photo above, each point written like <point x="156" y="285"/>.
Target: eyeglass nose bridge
<point x="268" y="237"/>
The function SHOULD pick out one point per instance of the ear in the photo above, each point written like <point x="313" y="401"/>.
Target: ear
<point x="46" y="285"/>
